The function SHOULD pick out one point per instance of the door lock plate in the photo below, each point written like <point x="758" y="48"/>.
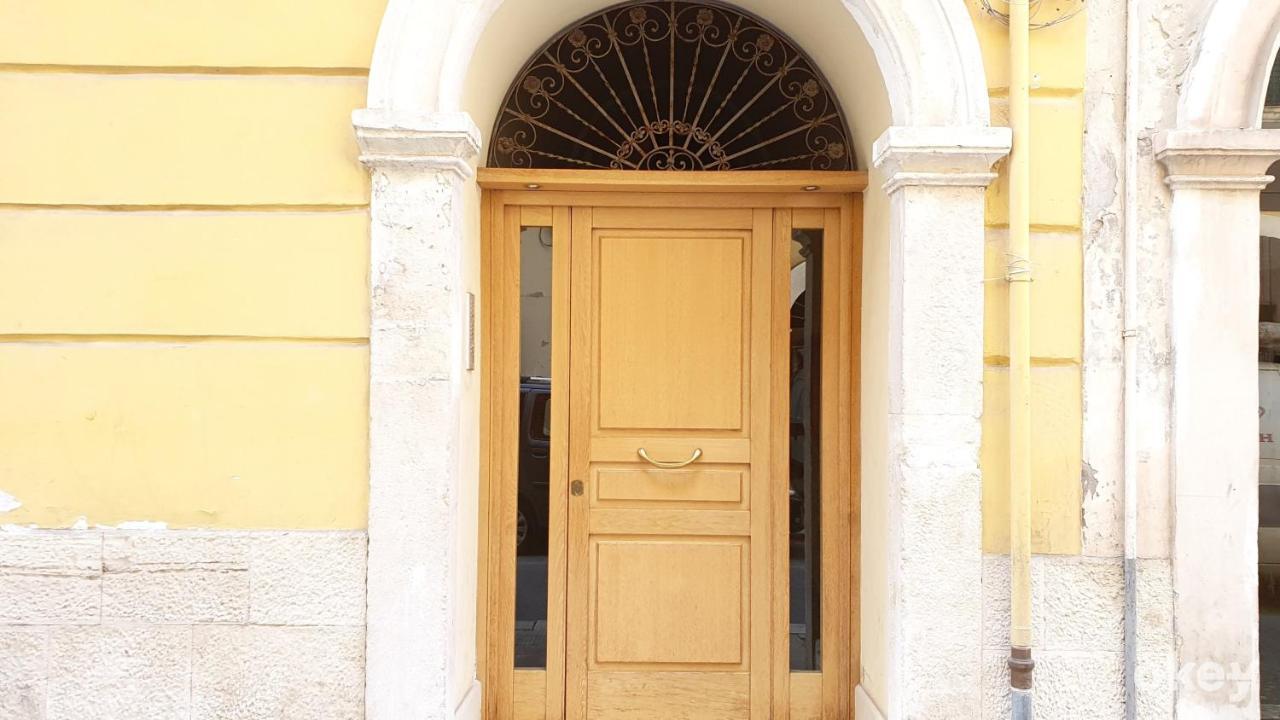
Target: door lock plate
<point x="575" y="488"/>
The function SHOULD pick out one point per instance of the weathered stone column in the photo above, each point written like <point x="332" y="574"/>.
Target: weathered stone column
<point x="936" y="180"/>
<point x="418" y="582"/>
<point x="1216" y="176"/>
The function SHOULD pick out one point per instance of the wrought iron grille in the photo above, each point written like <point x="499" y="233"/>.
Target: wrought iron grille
<point x="670" y="85"/>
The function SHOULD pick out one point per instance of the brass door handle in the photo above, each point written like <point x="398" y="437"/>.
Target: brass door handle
<point x="697" y="453"/>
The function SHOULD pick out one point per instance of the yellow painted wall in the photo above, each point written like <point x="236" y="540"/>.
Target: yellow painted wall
<point x="176" y="172"/>
<point x="315" y="36"/>
<point x="105" y="139"/>
<point x="1057" y="138"/>
<point x="225" y="273"/>
<point x="194" y="433"/>
<point x="184" y="263"/>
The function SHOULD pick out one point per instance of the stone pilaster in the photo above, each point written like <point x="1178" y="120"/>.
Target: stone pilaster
<point x="1215" y="176"/>
<point x="419" y="583"/>
<point x="936" y="180"/>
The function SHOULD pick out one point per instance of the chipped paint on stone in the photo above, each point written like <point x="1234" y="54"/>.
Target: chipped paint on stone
<point x="137" y="525"/>
<point x="14" y="528"/>
<point x="1102" y="374"/>
<point x="8" y="503"/>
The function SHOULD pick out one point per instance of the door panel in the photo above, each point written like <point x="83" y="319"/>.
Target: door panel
<point x="671" y="522"/>
<point x="669" y="601"/>
<point x="670" y="487"/>
<point x="671" y="314"/>
<point x="670" y="534"/>
<point x="669" y="696"/>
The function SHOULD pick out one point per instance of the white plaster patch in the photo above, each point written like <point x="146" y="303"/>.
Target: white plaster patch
<point x="16" y="529"/>
<point x="8" y="503"/>
<point x="137" y="525"/>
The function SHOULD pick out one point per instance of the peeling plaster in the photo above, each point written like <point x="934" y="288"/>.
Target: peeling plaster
<point x="136" y="525"/>
<point x="1102" y="382"/>
<point x="16" y="529"/>
<point x="1088" y="481"/>
<point x="8" y="503"/>
<point x="80" y="523"/>
<point x="1088" y="491"/>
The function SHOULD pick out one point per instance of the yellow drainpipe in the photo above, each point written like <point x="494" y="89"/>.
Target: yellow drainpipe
<point x="1018" y="273"/>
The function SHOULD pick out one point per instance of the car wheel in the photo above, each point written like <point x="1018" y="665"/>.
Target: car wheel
<point x="522" y="528"/>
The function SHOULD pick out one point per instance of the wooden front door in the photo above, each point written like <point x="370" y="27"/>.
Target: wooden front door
<point x="677" y="546"/>
<point x="669" y="601"/>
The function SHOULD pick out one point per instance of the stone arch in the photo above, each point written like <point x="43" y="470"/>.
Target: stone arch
<point x="931" y="168"/>
<point x="1226" y="84"/>
<point x="928" y="54"/>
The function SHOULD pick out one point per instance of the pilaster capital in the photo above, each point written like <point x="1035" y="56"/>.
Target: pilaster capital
<point x="1217" y="159"/>
<point x="940" y="156"/>
<point x="442" y="141"/>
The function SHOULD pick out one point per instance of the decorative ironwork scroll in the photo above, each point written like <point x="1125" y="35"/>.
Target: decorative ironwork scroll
<point x="670" y="85"/>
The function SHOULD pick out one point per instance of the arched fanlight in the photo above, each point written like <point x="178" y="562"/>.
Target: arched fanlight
<point x="670" y="85"/>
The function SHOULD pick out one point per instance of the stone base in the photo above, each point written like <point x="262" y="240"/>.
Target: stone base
<point x="1078" y="630"/>
<point x="181" y="624"/>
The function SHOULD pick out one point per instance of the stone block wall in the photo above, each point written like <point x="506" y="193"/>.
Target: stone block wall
<point x="226" y="625"/>
<point x="1078" y="627"/>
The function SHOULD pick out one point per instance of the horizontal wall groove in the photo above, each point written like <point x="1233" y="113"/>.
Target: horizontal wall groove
<point x="1040" y="228"/>
<point x="1002" y="93"/>
<point x="264" y="207"/>
<point x="1002" y="361"/>
<point x="141" y="338"/>
<point x="351" y="72"/>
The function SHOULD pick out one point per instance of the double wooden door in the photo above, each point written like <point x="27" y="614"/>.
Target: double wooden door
<point x="667" y="553"/>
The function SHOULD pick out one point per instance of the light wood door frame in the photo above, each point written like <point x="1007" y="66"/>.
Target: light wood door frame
<point x="515" y="198"/>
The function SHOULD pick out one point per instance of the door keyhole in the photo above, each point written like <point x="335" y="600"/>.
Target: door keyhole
<point x="575" y="488"/>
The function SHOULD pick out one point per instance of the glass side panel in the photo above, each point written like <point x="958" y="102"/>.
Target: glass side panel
<point x="1269" y="457"/>
<point x="805" y="491"/>
<point x="535" y="447"/>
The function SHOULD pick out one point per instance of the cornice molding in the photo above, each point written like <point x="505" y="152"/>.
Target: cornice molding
<point x="446" y="142"/>
<point x="940" y="156"/>
<point x="1217" y="159"/>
